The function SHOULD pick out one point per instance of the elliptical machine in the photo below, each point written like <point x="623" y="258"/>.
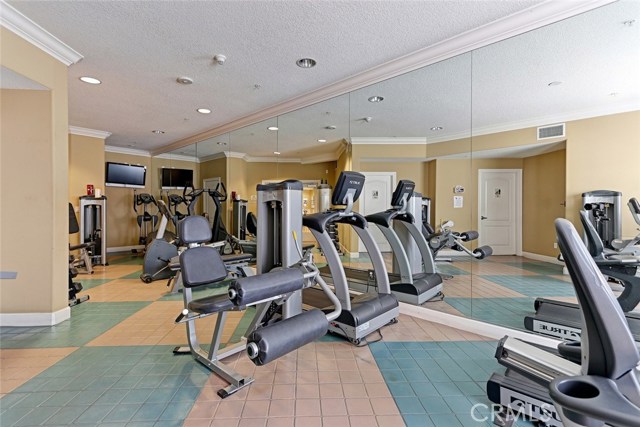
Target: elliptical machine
<point x="146" y="219"/>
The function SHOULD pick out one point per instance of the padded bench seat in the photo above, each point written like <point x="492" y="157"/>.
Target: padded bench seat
<point x="211" y="304"/>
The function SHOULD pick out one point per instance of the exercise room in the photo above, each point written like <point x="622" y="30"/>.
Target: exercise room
<point x="337" y="213"/>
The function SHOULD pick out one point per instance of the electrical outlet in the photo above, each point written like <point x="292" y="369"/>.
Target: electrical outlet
<point x="555" y="245"/>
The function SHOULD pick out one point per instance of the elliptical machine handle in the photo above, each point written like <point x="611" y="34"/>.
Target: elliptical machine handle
<point x="221" y="195"/>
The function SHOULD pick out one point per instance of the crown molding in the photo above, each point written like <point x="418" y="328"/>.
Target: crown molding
<point x="537" y="16"/>
<point x="125" y="150"/>
<point x="320" y="158"/>
<point x="562" y="118"/>
<point x="180" y="157"/>
<point x="251" y="159"/>
<point x="383" y="140"/>
<point x="16" y="22"/>
<point x="93" y="133"/>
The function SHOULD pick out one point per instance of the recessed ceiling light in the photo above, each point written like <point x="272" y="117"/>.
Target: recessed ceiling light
<point x="322" y="140"/>
<point x="221" y="143"/>
<point x="277" y="153"/>
<point x="614" y="94"/>
<point x="629" y="23"/>
<point x="435" y="128"/>
<point x="330" y="127"/>
<point x="376" y="98"/>
<point x="273" y="128"/>
<point x="157" y="131"/>
<point x="306" y="63"/>
<point x="90" y="80"/>
<point x="184" y="80"/>
<point x="556" y="83"/>
<point x="203" y="110"/>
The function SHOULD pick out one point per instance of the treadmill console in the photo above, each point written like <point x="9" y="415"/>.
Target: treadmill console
<point x="348" y="183"/>
<point x="404" y="190"/>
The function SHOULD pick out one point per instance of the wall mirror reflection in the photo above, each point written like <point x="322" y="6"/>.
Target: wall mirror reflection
<point x="553" y="111"/>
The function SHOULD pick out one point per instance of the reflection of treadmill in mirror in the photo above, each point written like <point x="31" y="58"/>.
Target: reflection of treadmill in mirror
<point x="410" y="287"/>
<point x="365" y="313"/>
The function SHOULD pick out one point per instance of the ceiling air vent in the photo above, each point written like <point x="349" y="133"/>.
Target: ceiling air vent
<point x="551" y="131"/>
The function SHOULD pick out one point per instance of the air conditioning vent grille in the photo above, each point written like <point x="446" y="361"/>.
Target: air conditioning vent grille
<point x="553" y="131"/>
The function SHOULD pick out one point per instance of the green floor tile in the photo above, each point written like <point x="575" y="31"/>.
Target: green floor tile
<point x="88" y="321"/>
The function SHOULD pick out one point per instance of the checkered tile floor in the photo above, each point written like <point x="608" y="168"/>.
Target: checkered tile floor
<point x="111" y="364"/>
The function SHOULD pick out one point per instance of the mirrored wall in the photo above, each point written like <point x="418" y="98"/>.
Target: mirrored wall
<point x="502" y="140"/>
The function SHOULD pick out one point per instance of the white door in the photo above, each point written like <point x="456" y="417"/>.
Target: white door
<point x="376" y="197"/>
<point x="499" y="210"/>
<point x="209" y="207"/>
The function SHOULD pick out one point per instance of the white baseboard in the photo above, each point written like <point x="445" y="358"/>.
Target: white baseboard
<point x="125" y="248"/>
<point x="35" y="319"/>
<point x="544" y="258"/>
<point x="474" y="326"/>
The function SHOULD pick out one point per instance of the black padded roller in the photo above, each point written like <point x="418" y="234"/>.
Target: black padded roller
<point x="249" y="290"/>
<point x="276" y="340"/>
<point x="483" y="251"/>
<point x="468" y="236"/>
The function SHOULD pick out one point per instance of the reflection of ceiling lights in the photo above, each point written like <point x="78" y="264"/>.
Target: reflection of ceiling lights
<point x="614" y="94"/>
<point x="435" y="128"/>
<point x="221" y="143"/>
<point x="556" y="83"/>
<point x="322" y="140"/>
<point x="157" y="131"/>
<point x="273" y="128"/>
<point x="306" y="63"/>
<point x="330" y="127"/>
<point x="376" y="99"/>
<point x="277" y="153"/>
<point x="204" y="110"/>
<point x="90" y="80"/>
<point x="184" y="80"/>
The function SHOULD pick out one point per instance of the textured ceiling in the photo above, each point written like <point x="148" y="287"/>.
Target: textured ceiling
<point x="499" y="87"/>
<point x="138" y="49"/>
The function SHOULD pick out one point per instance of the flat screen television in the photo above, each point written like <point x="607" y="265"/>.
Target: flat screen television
<point x="176" y="178"/>
<point x="124" y="175"/>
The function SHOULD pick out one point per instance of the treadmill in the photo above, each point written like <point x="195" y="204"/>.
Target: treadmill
<point x="563" y="319"/>
<point x="409" y="287"/>
<point x="368" y="312"/>
<point x="546" y="387"/>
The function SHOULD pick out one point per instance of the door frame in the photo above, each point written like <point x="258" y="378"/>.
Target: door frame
<point x="518" y="200"/>
<point x="361" y="200"/>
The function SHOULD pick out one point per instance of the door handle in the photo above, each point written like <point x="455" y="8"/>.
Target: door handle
<point x="483" y="217"/>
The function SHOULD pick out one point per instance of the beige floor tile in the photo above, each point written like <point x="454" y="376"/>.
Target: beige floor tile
<point x="17" y="366"/>
<point x="281" y="422"/>
<point x="362" y="421"/>
<point x="335" y="422"/>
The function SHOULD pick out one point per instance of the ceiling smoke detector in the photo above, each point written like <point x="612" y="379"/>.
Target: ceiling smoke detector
<point x="330" y="127"/>
<point x="220" y="59"/>
<point x="184" y="80"/>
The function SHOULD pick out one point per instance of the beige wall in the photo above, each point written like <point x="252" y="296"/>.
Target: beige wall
<point x="543" y="193"/>
<point x="414" y="171"/>
<point x="34" y="201"/>
<point x="603" y="154"/>
<point x="122" y="228"/>
<point x="86" y="166"/>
